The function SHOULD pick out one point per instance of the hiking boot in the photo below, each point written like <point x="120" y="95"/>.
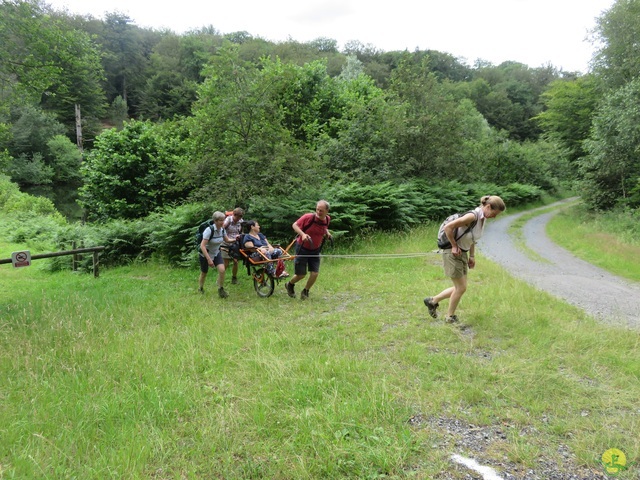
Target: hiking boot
<point x="290" y="289"/>
<point x="451" y="319"/>
<point x="431" y="306"/>
<point x="234" y="280"/>
<point x="222" y="293"/>
<point x="305" y="294"/>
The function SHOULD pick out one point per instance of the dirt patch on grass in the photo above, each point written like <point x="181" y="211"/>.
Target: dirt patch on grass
<point x="487" y="443"/>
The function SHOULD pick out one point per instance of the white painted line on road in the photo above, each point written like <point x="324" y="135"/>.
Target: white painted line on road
<point x="488" y="473"/>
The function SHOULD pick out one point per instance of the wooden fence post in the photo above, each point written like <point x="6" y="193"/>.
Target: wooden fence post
<point x="96" y="264"/>
<point x="75" y="258"/>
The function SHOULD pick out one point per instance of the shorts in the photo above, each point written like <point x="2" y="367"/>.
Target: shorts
<point x="204" y="265"/>
<point x="455" y="267"/>
<point x="306" y="259"/>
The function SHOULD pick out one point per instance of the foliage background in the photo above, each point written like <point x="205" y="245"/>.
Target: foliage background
<point x="205" y="118"/>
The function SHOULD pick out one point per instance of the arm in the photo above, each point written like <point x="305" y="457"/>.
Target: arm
<point x="298" y="230"/>
<point x="203" y="249"/>
<point x="472" y="256"/>
<point x="266" y="247"/>
<point x="450" y="230"/>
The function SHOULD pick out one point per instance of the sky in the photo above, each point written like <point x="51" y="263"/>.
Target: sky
<point x="533" y="32"/>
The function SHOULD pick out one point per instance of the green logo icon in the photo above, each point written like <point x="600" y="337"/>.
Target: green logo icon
<point x="614" y="461"/>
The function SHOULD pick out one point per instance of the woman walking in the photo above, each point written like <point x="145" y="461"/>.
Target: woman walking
<point x="210" y="256"/>
<point x="461" y="255"/>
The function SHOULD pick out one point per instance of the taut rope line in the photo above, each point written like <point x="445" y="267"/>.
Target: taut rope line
<point x="372" y="255"/>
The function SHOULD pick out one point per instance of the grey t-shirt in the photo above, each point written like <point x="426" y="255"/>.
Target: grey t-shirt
<point x="215" y="239"/>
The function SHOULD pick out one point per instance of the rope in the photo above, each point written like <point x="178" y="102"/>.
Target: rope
<point x="372" y="255"/>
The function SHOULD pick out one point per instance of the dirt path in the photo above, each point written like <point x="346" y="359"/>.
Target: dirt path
<point x="605" y="296"/>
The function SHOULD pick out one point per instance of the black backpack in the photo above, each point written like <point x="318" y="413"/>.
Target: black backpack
<point x="203" y="226"/>
<point x="233" y="249"/>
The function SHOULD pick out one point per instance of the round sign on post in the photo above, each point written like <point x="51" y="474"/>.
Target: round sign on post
<point x="21" y="259"/>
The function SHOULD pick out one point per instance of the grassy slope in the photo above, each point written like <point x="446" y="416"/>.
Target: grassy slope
<point x="593" y="241"/>
<point x="135" y="375"/>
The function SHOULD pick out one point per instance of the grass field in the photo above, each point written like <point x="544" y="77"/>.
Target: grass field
<point x="135" y="375"/>
<point x="596" y="240"/>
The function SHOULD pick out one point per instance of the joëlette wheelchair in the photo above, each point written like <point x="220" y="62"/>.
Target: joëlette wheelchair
<point x="264" y="278"/>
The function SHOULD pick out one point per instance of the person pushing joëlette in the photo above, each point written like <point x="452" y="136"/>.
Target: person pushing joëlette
<point x="312" y="229"/>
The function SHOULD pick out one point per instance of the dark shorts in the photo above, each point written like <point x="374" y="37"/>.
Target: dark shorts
<point x="204" y="265"/>
<point x="306" y="259"/>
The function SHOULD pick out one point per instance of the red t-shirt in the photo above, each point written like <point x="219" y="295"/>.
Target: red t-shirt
<point x="310" y="224"/>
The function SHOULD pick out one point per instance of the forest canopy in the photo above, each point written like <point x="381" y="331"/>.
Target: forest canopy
<point x="137" y="120"/>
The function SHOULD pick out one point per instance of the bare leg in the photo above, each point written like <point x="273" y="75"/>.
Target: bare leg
<point x="443" y="295"/>
<point x="296" y="278"/>
<point x="459" y="287"/>
<point x="234" y="270"/>
<point x="203" y="277"/>
<point x="221" y="272"/>
<point x="312" y="279"/>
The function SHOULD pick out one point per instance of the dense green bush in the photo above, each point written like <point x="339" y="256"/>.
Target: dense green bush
<point x="15" y="203"/>
<point x="132" y="172"/>
<point x="30" y="170"/>
<point x="168" y="234"/>
<point x="386" y="206"/>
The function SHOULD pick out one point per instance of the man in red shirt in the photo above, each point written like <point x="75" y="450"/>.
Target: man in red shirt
<point x="312" y="229"/>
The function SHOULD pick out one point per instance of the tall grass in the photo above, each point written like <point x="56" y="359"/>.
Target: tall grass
<point x="136" y="375"/>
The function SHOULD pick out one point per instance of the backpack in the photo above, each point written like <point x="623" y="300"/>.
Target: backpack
<point x="233" y="249"/>
<point x="443" y="241"/>
<point x="201" y="228"/>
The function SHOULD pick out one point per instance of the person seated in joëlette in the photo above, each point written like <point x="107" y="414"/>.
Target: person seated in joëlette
<point x="254" y="240"/>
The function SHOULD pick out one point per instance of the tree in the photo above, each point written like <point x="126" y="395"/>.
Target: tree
<point x="617" y="31"/>
<point x="25" y="64"/>
<point x="44" y="61"/>
<point x="509" y="96"/>
<point x="431" y="136"/>
<point x="131" y="172"/>
<point x="66" y="159"/>
<point x="569" y="108"/>
<point x="118" y="112"/>
<point x="446" y="66"/>
<point x="362" y="140"/>
<point x="612" y="167"/>
<point x="244" y="129"/>
<point x="30" y="169"/>
<point x="166" y="95"/>
<point x="31" y="129"/>
<point x="352" y="69"/>
<point x="127" y="49"/>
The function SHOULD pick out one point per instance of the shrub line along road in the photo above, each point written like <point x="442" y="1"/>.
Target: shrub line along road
<point x="601" y="294"/>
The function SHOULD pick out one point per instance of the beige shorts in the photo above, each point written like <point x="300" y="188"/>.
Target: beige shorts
<point x="455" y="267"/>
<point x="225" y="255"/>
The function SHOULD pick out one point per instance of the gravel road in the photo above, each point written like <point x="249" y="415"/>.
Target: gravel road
<point x="605" y="296"/>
